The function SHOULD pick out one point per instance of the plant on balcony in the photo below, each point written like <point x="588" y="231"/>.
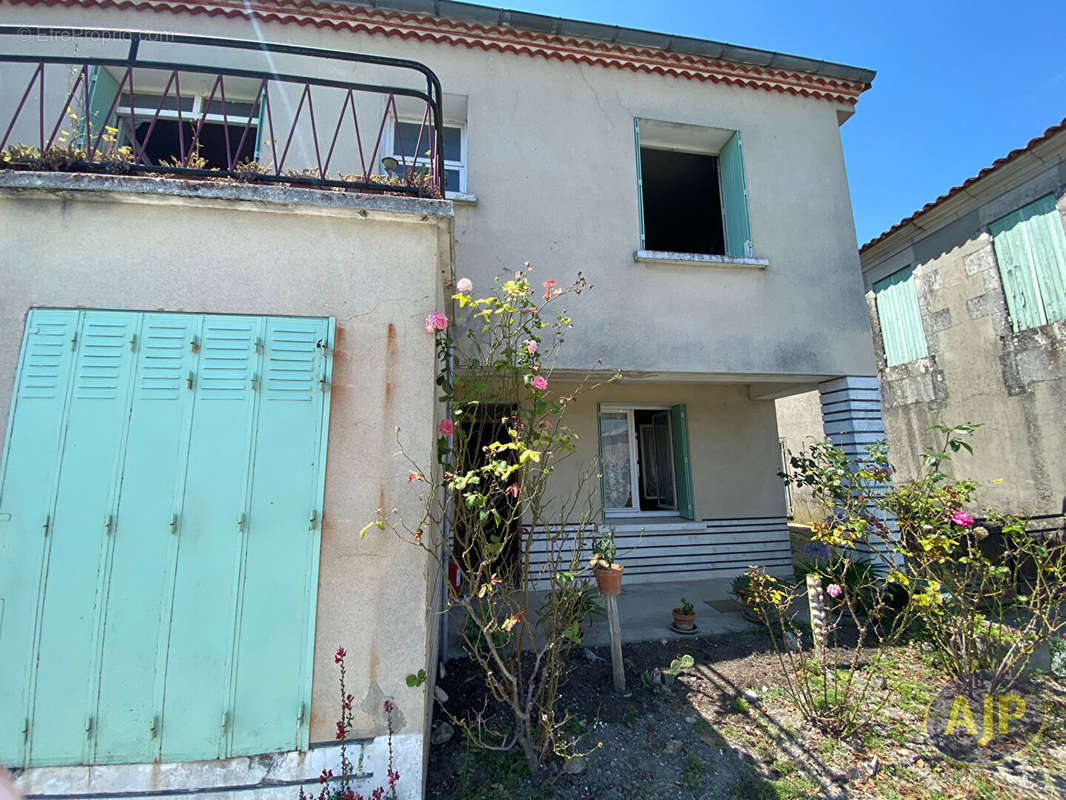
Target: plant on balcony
<point x="516" y="554"/>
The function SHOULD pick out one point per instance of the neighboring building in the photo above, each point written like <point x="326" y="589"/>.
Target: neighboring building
<point x="967" y="299"/>
<point x="157" y="332"/>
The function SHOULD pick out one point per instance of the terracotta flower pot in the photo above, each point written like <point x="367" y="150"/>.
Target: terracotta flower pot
<point x="684" y="622"/>
<point x="609" y="579"/>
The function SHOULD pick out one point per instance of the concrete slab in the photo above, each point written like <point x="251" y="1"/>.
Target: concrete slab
<point x="645" y="610"/>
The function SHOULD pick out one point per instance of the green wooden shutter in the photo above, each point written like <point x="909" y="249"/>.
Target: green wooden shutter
<point x="900" y="318"/>
<point x="102" y="90"/>
<point x="1017" y="271"/>
<point x="163" y="606"/>
<point x="640" y="181"/>
<point x="197" y="715"/>
<point x="603" y="476"/>
<point x="273" y="676"/>
<point x="1047" y="243"/>
<point x="67" y="657"/>
<point x="735" y="198"/>
<point x="27" y="491"/>
<point x="146" y="536"/>
<point x="682" y="469"/>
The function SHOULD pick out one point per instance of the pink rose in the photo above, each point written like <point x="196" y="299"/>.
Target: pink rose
<point x="436" y="322"/>
<point x="531" y="346"/>
<point x="834" y="590"/>
<point x="464" y="285"/>
<point x="446" y="427"/>
<point x="540" y="383"/>
<point x="962" y="519"/>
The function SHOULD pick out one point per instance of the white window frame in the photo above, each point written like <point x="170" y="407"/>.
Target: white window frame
<point x="122" y="114"/>
<point x="422" y="161"/>
<point x="634" y="471"/>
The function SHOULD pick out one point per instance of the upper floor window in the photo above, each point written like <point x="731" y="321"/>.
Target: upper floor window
<point x="692" y="192"/>
<point x="901" y="321"/>
<point x="1031" y="251"/>
<point x="409" y="136"/>
<point x="224" y="133"/>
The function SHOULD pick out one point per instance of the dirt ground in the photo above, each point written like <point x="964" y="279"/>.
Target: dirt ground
<point x="726" y="729"/>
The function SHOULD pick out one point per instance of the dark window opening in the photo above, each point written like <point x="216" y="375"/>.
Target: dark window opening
<point x="166" y="145"/>
<point x="682" y="203"/>
<point x="655" y="460"/>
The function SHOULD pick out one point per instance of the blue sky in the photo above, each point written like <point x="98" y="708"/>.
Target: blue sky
<point x="959" y="84"/>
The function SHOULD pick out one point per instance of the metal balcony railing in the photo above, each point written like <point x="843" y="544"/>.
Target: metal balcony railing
<point x="122" y="112"/>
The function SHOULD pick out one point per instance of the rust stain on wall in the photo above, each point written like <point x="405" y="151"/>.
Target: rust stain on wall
<point x="390" y="365"/>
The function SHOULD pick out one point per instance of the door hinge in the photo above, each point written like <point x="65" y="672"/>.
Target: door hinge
<point x="312" y="520"/>
<point x="188" y="380"/>
<point x="154" y="726"/>
<point x="225" y="720"/>
<point x="133" y="343"/>
<point x="194" y="344"/>
<point x="44" y="526"/>
<point x="173" y="523"/>
<point x="25" y="727"/>
<point x="300" y="714"/>
<point x="323" y="384"/>
<point x="89" y="726"/>
<point x="240" y="522"/>
<point x="255" y="382"/>
<point x="108" y="524"/>
<point x="73" y="341"/>
<point x="258" y="346"/>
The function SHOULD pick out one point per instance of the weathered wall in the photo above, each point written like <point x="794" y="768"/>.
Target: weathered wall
<point x="799" y="424"/>
<point x="552" y="162"/>
<point x="732" y="445"/>
<point x="978" y="369"/>
<point x="376" y="264"/>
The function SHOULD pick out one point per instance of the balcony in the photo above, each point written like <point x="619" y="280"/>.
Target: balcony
<point x="198" y="107"/>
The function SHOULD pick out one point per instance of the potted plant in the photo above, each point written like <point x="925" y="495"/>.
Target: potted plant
<point x="685" y="616"/>
<point x="608" y="573"/>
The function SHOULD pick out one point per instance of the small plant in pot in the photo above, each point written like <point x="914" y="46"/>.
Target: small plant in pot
<point x="608" y="573"/>
<point x="685" y="616"/>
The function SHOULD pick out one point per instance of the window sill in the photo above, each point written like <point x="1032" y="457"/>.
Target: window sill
<point x="691" y="259"/>
<point x="462" y="198"/>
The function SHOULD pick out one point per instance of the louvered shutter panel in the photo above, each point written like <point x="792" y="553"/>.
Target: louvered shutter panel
<point x="67" y="652"/>
<point x="27" y="490"/>
<point x="735" y="198"/>
<point x="273" y="672"/>
<point x="102" y="91"/>
<point x="682" y="465"/>
<point x="900" y="318"/>
<point x="603" y="476"/>
<point x="146" y="541"/>
<point x="1016" y="270"/>
<point x="197" y="716"/>
<point x="1047" y="243"/>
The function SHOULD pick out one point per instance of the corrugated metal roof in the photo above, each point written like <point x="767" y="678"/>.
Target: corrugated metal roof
<point x="560" y="26"/>
<point x="1013" y="154"/>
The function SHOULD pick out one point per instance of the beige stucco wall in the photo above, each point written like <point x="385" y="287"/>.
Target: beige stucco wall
<point x="799" y="424"/>
<point x="551" y="160"/>
<point x="732" y="445"/>
<point x="377" y="268"/>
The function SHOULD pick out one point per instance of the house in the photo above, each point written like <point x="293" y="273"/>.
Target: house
<point x="207" y="375"/>
<point x="967" y="302"/>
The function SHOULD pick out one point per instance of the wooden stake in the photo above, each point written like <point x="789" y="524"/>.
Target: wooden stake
<point x="617" y="666"/>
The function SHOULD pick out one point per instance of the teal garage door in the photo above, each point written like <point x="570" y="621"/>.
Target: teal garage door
<point x="160" y="498"/>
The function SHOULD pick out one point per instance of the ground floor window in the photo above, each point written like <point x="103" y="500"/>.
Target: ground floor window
<point x="644" y="460"/>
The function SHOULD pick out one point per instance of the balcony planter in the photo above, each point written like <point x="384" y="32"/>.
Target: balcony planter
<point x="609" y="579"/>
